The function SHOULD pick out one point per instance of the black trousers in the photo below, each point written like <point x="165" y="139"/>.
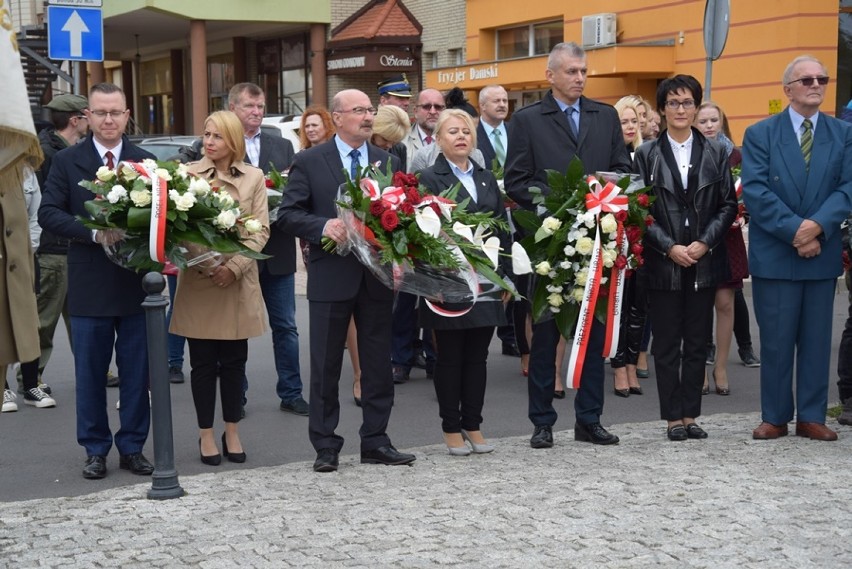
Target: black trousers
<point x="460" y="373"/>
<point x="225" y="359"/>
<point x="844" y="355"/>
<point x="633" y="316"/>
<point x="680" y="321"/>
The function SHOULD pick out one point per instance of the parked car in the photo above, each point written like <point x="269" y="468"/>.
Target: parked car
<point x="165" y="147"/>
<point x="287" y="125"/>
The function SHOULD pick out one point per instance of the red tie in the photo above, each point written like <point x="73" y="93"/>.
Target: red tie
<point x="109" y="159"/>
<point x="428" y="140"/>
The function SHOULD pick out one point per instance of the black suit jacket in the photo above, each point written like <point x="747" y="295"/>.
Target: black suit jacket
<point x="278" y="151"/>
<point x="483" y="142"/>
<point x="96" y="286"/>
<point x="308" y="204"/>
<point x="540" y="140"/>
<point x="439" y="177"/>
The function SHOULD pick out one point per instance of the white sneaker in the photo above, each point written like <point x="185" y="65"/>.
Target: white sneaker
<point x="9" y="404"/>
<point x="38" y="398"/>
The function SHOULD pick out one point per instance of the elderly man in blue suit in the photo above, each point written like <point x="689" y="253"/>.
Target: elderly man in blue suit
<point x="797" y="183"/>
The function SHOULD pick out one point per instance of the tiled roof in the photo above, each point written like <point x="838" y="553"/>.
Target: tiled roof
<point x="380" y="18"/>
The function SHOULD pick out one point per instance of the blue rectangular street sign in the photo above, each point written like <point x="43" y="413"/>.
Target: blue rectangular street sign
<point x="75" y="33"/>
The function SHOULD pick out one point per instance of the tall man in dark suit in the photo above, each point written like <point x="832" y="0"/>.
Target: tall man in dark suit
<point x="278" y="273"/>
<point x="547" y="135"/>
<point x="104" y="300"/>
<point x="340" y="286"/>
<point x="797" y="185"/>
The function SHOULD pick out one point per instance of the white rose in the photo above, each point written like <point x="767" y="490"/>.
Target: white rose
<point x="608" y="223"/>
<point x="226" y="219"/>
<point x="199" y="186"/>
<point x="182" y="172"/>
<point x="585" y="245"/>
<point x="608" y="259"/>
<point x="140" y="198"/>
<point x="253" y="225"/>
<point x="163" y="173"/>
<point x="542" y="268"/>
<point x="149" y="164"/>
<point x="581" y="277"/>
<point x="550" y="225"/>
<point x="185" y="202"/>
<point x="127" y="172"/>
<point x="578" y="294"/>
<point x="555" y="299"/>
<point x="116" y="193"/>
<point x="104" y="174"/>
<point x="225" y="199"/>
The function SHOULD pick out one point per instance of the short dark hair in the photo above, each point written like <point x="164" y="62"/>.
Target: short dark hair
<point x="675" y="84"/>
<point x="105" y="88"/>
<point x="253" y="90"/>
<point x="60" y="119"/>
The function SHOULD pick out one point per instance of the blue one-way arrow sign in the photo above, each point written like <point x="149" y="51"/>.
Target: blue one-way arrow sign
<point x="75" y="33"/>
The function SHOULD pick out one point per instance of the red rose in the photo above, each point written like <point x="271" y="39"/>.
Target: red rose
<point x="406" y="208"/>
<point x="376" y="208"/>
<point x="398" y="179"/>
<point x="633" y="233"/>
<point x="413" y="196"/>
<point x="603" y="291"/>
<point x="642" y="200"/>
<point x="270" y="183"/>
<point x="621" y="215"/>
<point x="649" y="220"/>
<point x="636" y="248"/>
<point x="620" y="262"/>
<point x="640" y="261"/>
<point x="389" y="220"/>
<point x="741" y="209"/>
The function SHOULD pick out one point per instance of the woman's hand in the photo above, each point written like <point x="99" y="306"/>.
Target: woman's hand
<point x="222" y="276"/>
<point x="696" y="250"/>
<point x="680" y="256"/>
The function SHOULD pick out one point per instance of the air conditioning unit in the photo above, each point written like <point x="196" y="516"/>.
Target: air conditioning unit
<point x="599" y="30"/>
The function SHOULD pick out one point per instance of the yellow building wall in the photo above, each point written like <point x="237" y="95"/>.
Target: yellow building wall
<point x="764" y="37"/>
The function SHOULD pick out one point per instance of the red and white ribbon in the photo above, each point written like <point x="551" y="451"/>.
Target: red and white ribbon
<point x="159" y="207"/>
<point x="615" y="304"/>
<point x="605" y="199"/>
<point x="586" y="316"/>
<point x="392" y="196"/>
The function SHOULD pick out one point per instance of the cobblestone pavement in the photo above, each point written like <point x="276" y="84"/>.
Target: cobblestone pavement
<point x="728" y="501"/>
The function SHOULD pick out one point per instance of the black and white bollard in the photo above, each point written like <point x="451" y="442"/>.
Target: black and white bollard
<point x="164" y="480"/>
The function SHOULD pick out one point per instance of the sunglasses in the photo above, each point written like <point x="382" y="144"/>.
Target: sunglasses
<point x="808" y="81"/>
<point x="431" y="106"/>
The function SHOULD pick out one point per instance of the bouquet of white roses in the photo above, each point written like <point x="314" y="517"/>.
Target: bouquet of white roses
<point x="165" y="213"/>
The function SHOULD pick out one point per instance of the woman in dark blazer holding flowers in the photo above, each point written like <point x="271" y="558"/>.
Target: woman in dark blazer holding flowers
<point x="462" y="342"/>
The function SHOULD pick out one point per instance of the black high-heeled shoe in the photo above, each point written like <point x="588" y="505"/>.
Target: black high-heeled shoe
<point x="621" y="392"/>
<point x="636" y="390"/>
<point x="232" y="456"/>
<point x="213" y="460"/>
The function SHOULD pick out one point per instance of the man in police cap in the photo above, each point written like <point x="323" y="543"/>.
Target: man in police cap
<point x="395" y="91"/>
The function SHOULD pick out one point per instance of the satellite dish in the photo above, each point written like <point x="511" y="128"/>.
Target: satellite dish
<point x="716" y="23"/>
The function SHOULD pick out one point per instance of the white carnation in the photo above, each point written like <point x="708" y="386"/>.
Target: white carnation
<point x="550" y="225"/>
<point x="569" y="251"/>
<point x="116" y="193"/>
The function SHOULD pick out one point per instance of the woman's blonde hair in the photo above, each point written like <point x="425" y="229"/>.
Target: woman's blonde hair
<point x="391" y="123"/>
<point x="632" y="102"/>
<point x="231" y="130"/>
<point x="448" y="114"/>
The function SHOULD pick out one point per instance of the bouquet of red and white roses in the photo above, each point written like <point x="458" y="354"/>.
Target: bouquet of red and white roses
<point x="413" y="241"/>
<point x="589" y="236"/>
<point x="165" y="213"/>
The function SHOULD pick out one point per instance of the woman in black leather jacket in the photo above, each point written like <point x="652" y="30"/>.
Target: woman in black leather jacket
<point x="684" y="249"/>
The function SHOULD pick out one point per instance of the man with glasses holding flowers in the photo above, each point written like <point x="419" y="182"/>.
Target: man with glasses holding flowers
<point x="104" y="299"/>
<point x="797" y="186"/>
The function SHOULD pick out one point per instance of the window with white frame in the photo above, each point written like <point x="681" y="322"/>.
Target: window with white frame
<point x="529" y="40"/>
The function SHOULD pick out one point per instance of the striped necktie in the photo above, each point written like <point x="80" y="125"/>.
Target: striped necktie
<point x="499" y="149"/>
<point x="355" y="165"/>
<point x="807" y="141"/>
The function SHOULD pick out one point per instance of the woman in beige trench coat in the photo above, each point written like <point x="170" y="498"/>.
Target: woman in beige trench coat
<point x="217" y="309"/>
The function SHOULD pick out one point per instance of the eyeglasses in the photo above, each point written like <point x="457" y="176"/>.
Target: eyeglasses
<point x="432" y="106"/>
<point x="361" y="111"/>
<point x="80" y="117"/>
<point x="687" y="104"/>
<point x="111" y="114"/>
<point x="808" y="81"/>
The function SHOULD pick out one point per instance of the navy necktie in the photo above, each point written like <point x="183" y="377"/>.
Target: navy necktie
<point x="355" y="165"/>
<point x="569" y="112"/>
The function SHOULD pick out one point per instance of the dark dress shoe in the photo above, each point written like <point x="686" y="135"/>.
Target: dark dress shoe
<point x="136" y="463"/>
<point x="693" y="431"/>
<point x="594" y="433"/>
<point x="769" y="431"/>
<point x="815" y="431"/>
<point x="511" y="350"/>
<point x="239" y="457"/>
<point x="542" y="437"/>
<point x="677" y="433"/>
<point x="386" y="455"/>
<point x="357" y="401"/>
<point x="642" y="373"/>
<point x="621" y="392"/>
<point x="636" y="390"/>
<point x="560" y="394"/>
<point x="326" y="460"/>
<point x="212" y="460"/>
<point x="95" y="467"/>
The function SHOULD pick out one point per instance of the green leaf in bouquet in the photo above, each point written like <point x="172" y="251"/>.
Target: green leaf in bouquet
<point x="539" y="300"/>
<point x="566" y="319"/>
<point x="138" y="217"/>
<point x="541" y="234"/>
<point x="526" y="219"/>
<point x="400" y="243"/>
<point x="179" y="224"/>
<point x="200" y="211"/>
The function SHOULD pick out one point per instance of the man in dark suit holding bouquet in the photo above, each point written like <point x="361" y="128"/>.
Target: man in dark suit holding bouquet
<point x="104" y="299"/>
<point x="547" y="135"/>
<point x="340" y="286"/>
